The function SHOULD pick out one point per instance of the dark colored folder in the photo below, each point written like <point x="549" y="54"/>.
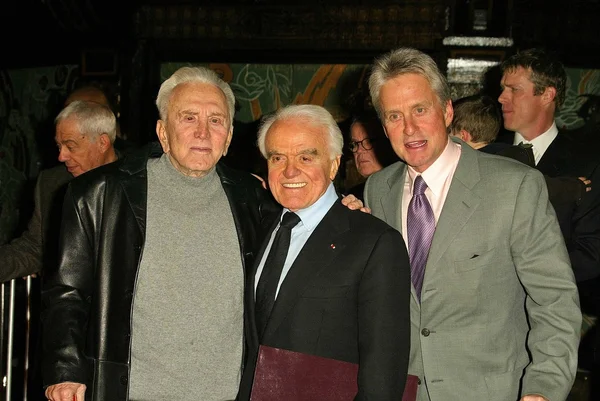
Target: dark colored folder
<point x="293" y="376"/>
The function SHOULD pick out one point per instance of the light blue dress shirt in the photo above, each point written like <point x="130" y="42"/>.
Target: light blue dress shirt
<point x="309" y="219"/>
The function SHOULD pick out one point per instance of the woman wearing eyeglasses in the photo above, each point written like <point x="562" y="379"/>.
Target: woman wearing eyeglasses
<point x="370" y="148"/>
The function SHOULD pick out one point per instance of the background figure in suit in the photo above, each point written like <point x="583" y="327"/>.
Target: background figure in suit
<point x="477" y="120"/>
<point x="494" y="311"/>
<point x="93" y="93"/>
<point x="344" y="289"/>
<point x="85" y="133"/>
<point x="533" y="88"/>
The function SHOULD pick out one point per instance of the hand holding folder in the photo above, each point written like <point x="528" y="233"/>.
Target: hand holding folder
<point x="293" y="376"/>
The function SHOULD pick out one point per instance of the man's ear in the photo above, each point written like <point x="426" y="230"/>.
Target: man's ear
<point x="448" y="113"/>
<point x="228" y="141"/>
<point x="465" y="136"/>
<point x="549" y="94"/>
<point x="161" y="133"/>
<point x="335" y="165"/>
<point x="104" y="142"/>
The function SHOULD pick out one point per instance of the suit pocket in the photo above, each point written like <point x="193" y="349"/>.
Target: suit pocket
<point x="474" y="260"/>
<point x="325" y="291"/>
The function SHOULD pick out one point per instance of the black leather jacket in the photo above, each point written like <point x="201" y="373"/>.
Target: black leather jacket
<point x="88" y="299"/>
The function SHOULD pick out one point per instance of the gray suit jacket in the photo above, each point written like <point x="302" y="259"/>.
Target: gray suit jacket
<point x="497" y="266"/>
<point x="27" y="254"/>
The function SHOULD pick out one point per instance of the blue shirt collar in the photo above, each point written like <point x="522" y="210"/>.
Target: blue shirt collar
<point x="312" y="215"/>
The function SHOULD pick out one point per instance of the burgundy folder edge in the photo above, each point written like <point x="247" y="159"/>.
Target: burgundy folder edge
<point x="293" y="376"/>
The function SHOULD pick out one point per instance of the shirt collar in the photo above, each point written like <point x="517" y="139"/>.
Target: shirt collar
<point x="311" y="216"/>
<point x="541" y="141"/>
<point x="435" y="176"/>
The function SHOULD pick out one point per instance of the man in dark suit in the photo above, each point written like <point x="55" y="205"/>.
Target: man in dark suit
<point x="85" y="133"/>
<point x="343" y="291"/>
<point x="533" y="88"/>
<point x="477" y="121"/>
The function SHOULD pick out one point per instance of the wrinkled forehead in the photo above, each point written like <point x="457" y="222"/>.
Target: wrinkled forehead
<point x="198" y="97"/>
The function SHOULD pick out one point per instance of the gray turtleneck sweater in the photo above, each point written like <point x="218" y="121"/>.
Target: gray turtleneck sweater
<point x="187" y="321"/>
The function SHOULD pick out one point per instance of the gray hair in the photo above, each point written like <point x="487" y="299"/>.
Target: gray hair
<point x="406" y="60"/>
<point x="193" y="74"/>
<point x="314" y="115"/>
<point x="93" y="119"/>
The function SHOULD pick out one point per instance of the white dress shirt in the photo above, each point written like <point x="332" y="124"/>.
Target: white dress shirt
<point x="540" y="143"/>
<point x="438" y="178"/>
<point x="309" y="220"/>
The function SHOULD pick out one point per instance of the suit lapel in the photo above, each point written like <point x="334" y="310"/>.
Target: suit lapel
<point x="316" y="255"/>
<point x="391" y="200"/>
<point x="391" y="205"/>
<point x="458" y="207"/>
<point x="555" y="158"/>
<point x="252" y="279"/>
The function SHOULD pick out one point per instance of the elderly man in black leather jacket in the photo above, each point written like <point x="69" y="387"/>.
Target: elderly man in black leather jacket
<point x="148" y="290"/>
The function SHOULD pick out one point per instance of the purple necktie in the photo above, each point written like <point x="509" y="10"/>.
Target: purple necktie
<point x="420" y="226"/>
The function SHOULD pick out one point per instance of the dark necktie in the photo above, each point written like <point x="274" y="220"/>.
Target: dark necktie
<point x="420" y="225"/>
<point x="527" y="156"/>
<point x="525" y="145"/>
<point x="269" y="278"/>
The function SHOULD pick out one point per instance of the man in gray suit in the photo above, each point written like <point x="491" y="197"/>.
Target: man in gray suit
<point x="85" y="133"/>
<point x="494" y="306"/>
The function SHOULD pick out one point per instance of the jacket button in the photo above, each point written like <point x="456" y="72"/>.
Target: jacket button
<point x="123" y="380"/>
<point x="425" y="332"/>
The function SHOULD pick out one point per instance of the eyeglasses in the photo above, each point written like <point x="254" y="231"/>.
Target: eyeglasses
<point x="366" y="143"/>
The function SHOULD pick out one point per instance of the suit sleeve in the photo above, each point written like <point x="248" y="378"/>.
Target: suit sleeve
<point x="23" y="256"/>
<point x="367" y="192"/>
<point x="584" y="241"/>
<point x="66" y="296"/>
<point x="552" y="303"/>
<point x="384" y="321"/>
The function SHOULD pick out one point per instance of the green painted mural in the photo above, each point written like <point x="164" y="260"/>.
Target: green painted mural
<point x="580" y="82"/>
<point x="263" y="88"/>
